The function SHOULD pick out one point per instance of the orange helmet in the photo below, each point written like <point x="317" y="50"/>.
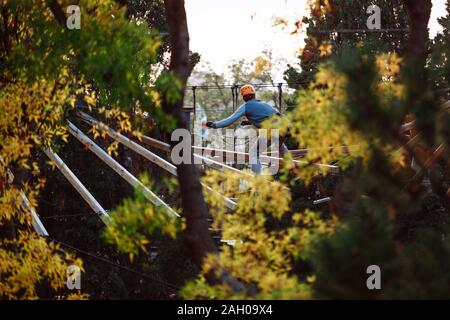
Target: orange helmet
<point x="247" y="89"/>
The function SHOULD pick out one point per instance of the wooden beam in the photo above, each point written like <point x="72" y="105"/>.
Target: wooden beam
<point x="156" y="143"/>
<point x="76" y="183"/>
<point x="38" y="226"/>
<point x="119" y="169"/>
<point x="36" y="222"/>
<point x="129" y="143"/>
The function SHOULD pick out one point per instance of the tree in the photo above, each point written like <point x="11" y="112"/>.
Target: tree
<point x="438" y="62"/>
<point x="197" y="238"/>
<point x="387" y="218"/>
<point x="46" y="69"/>
<point x="338" y="23"/>
<point x="383" y="214"/>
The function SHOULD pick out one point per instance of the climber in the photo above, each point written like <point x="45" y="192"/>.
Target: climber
<point x="256" y="112"/>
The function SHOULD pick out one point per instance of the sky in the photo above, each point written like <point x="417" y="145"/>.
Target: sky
<point x="226" y="30"/>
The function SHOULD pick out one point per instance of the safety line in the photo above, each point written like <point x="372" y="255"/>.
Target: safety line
<point x="172" y="286"/>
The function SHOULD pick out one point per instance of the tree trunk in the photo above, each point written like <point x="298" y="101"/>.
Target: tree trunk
<point x="419" y="97"/>
<point x="196" y="236"/>
<point x="419" y="12"/>
<point x="416" y="51"/>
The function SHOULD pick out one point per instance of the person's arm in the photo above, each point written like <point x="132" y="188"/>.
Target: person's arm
<point x="231" y="119"/>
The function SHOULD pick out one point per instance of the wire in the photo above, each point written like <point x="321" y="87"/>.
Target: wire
<point x="233" y="86"/>
<point x="390" y="30"/>
<point x="169" y="285"/>
<point x="92" y="215"/>
<point x="225" y="138"/>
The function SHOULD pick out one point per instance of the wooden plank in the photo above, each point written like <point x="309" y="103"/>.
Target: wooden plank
<point x="156" y="143"/>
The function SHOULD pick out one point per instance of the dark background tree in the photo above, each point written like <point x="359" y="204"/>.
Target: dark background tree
<point x="345" y="24"/>
<point x="406" y="234"/>
<point x="438" y="62"/>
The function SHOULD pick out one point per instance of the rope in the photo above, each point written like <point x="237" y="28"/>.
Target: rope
<point x="229" y="144"/>
<point x="234" y="86"/>
<point x="169" y="285"/>
<point x="70" y="216"/>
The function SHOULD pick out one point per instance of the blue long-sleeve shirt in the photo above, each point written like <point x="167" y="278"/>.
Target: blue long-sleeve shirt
<point x="255" y="111"/>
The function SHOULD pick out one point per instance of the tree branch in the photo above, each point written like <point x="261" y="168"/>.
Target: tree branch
<point x="196" y="236"/>
<point x="58" y="12"/>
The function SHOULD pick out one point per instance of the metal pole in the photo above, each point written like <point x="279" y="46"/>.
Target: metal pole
<point x="232" y="94"/>
<point x="280" y="96"/>
<point x="118" y="168"/>
<point x="211" y="162"/>
<point x="194" y="98"/>
<point x="76" y="183"/>
<point x="236" y="95"/>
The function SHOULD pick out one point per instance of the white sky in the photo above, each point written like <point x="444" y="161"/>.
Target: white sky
<point x="225" y="30"/>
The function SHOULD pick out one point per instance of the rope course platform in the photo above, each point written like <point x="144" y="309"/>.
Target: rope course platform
<point x="215" y="158"/>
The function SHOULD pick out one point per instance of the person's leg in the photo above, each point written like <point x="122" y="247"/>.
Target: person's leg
<point x="254" y="158"/>
<point x="283" y="148"/>
<point x="257" y="148"/>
